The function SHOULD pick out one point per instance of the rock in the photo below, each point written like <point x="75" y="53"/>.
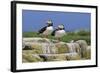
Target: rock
<point x="43" y="49"/>
<point x="61" y="57"/>
<point x="73" y="56"/>
<point x="49" y="48"/>
<point x="27" y="48"/>
<point x="47" y="57"/>
<point x="36" y="39"/>
<point x="36" y="45"/>
<point x="88" y="53"/>
<point x="61" y="47"/>
<point x="74" y="47"/>
<point x="83" y="46"/>
<point x="53" y="57"/>
<point x="31" y="58"/>
<point x="24" y="60"/>
<point x="28" y="52"/>
<point x="32" y="39"/>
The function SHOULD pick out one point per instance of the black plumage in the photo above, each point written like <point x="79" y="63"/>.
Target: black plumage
<point x="42" y="29"/>
<point x="53" y="33"/>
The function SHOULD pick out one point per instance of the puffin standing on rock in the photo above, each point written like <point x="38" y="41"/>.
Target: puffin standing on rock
<point x="59" y="32"/>
<point x="47" y="30"/>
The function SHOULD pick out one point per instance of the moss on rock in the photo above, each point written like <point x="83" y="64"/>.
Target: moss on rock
<point x="62" y="48"/>
<point x="31" y="58"/>
<point x="61" y="57"/>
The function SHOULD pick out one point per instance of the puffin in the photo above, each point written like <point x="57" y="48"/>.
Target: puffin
<point x="59" y="32"/>
<point x="47" y="30"/>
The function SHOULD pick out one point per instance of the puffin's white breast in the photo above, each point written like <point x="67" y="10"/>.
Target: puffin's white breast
<point x="48" y="30"/>
<point x="60" y="33"/>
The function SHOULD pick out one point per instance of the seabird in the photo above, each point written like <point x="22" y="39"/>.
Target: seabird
<point x="59" y="32"/>
<point x="47" y="30"/>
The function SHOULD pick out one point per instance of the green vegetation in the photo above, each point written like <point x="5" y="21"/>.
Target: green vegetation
<point x="68" y="37"/>
<point x="30" y="34"/>
<point x="80" y="35"/>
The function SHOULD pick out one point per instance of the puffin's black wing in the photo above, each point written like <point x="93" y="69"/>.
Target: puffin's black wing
<point x="53" y="33"/>
<point x="43" y="29"/>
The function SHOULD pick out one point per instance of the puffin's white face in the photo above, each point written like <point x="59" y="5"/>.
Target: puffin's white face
<point x="60" y="26"/>
<point x="49" y="23"/>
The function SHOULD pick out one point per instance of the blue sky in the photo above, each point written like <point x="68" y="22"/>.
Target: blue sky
<point x="33" y="20"/>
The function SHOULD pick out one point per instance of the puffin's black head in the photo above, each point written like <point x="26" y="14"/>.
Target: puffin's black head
<point x="49" y="23"/>
<point x="61" y="27"/>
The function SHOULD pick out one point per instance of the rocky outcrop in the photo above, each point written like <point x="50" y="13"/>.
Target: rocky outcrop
<point x="43" y="49"/>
